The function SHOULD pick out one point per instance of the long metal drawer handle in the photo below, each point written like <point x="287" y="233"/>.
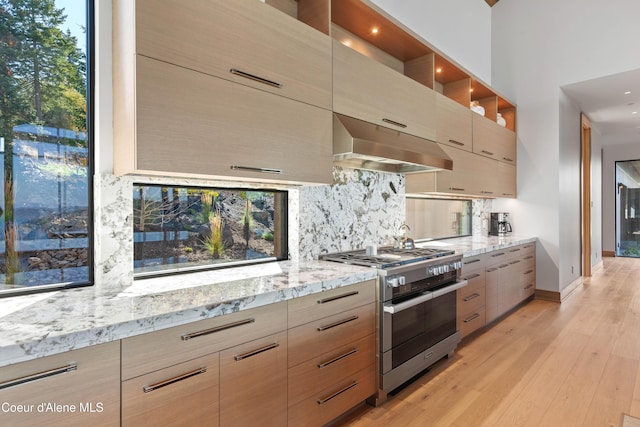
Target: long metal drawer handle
<point x="507" y="159"/>
<point x="39" y="375"/>
<point x="498" y="254"/>
<point x="248" y="354"/>
<point x="473" y="276"/>
<point x="337" y="393"/>
<point x="528" y="257"/>
<point x="456" y="189"/>
<point x="255" y="78"/>
<point x="487" y="152"/>
<point x="393" y="122"/>
<point x="528" y="272"/>
<point x="514" y="262"/>
<point x="514" y="250"/>
<point x="153" y="387"/>
<point x="469" y="319"/>
<point x="529" y="286"/>
<point x="329" y="299"/>
<point x="472" y="261"/>
<point x="470" y="297"/>
<point x="254" y="169"/>
<point x="337" y="358"/>
<point x="453" y="141"/>
<point x="338" y="323"/>
<point x="397" y="308"/>
<point x="486" y="192"/>
<point x="217" y="329"/>
<point x="492" y="269"/>
<point x="450" y="288"/>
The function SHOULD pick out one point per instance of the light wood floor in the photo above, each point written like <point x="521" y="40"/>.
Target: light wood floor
<point x="546" y="364"/>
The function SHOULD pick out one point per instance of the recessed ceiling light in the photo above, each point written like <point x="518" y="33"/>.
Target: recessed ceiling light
<point x="634" y="112"/>
<point x="471" y="90"/>
<point x="439" y="70"/>
<point x="374" y="30"/>
<point x="628" y="92"/>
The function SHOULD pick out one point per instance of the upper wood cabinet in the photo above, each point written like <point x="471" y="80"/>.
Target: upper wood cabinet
<point x="494" y="141"/>
<point x="370" y="91"/>
<point x="453" y="123"/>
<point x="245" y="41"/>
<point x="193" y="92"/>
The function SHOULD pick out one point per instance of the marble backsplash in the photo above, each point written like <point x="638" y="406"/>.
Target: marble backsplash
<point x="361" y="208"/>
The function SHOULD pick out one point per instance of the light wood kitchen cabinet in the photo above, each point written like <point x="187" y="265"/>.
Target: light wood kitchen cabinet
<point x="191" y="124"/>
<point x="253" y="383"/>
<point x="175" y="345"/>
<point x="510" y="279"/>
<point x="471" y="299"/>
<point x="331" y="354"/>
<point x="232" y="105"/>
<point x="245" y="41"/>
<point x="453" y="123"/>
<point x="368" y="90"/>
<point x="179" y="395"/>
<point x="75" y="388"/>
<point x="493" y="141"/>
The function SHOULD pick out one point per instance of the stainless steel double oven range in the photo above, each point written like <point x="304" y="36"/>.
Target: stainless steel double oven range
<point x="417" y="306"/>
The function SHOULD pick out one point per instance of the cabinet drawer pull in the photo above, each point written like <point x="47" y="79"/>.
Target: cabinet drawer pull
<point x="456" y="189"/>
<point x="248" y="354"/>
<point x="186" y="337"/>
<point x="471" y="318"/>
<point x="486" y="192"/>
<point x="254" y="169"/>
<point x="453" y="141"/>
<point x="507" y="194"/>
<point x="393" y="122"/>
<point x="337" y="358"/>
<point x="471" y="261"/>
<point x="514" y="250"/>
<point x="514" y="262"/>
<point x="338" y="323"/>
<point x="528" y="272"/>
<point x="529" y="286"/>
<point x="39" y="375"/>
<point x="329" y="299"/>
<point x="507" y="159"/>
<point x="470" y="297"/>
<point x="472" y="276"/>
<point x="492" y="269"/>
<point x="255" y="78"/>
<point x="487" y="152"/>
<point x="337" y="393"/>
<point x="153" y="387"/>
<point x="528" y="257"/>
<point x="498" y="254"/>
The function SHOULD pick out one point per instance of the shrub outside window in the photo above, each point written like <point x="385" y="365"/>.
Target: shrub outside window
<point x="187" y="228"/>
<point x="45" y="216"/>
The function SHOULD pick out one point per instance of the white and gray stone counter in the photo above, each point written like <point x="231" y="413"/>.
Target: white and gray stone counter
<point x="476" y="245"/>
<point x="37" y="325"/>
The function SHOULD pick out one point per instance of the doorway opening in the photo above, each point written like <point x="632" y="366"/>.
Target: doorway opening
<point x="628" y="208"/>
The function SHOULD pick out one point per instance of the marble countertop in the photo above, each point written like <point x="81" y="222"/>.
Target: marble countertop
<point x="476" y="245"/>
<point x="37" y="325"/>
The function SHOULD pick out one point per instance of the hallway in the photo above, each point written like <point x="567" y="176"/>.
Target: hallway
<point x="546" y="364"/>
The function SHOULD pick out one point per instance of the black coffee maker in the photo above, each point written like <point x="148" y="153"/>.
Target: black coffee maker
<point x="499" y="224"/>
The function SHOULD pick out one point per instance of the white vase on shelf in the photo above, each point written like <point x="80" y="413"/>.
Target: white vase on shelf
<point x="477" y="108"/>
<point x="500" y="120"/>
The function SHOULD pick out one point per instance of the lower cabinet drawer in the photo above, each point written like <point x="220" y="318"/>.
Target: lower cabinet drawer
<point x="183" y="394"/>
<point x="331" y="332"/>
<point x="472" y="321"/>
<point x="309" y="378"/>
<point x="472" y="296"/>
<point x="333" y="401"/>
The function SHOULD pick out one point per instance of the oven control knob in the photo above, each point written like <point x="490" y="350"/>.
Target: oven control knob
<point x="402" y="280"/>
<point x="392" y="282"/>
<point x="430" y="271"/>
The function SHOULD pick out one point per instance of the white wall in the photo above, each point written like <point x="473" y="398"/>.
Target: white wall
<point x="461" y="29"/>
<point x="610" y="154"/>
<point x="539" y="46"/>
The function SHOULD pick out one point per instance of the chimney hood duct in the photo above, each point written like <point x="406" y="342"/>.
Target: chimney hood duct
<point x="363" y="145"/>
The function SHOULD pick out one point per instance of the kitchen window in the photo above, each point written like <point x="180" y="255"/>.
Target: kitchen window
<point x="438" y="218"/>
<point x="181" y="229"/>
<point x="45" y="144"/>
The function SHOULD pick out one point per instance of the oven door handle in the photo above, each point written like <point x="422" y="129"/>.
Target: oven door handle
<point x="397" y="308"/>
<point x="455" y="286"/>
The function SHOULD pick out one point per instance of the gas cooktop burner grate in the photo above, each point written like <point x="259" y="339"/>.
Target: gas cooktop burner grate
<point x="387" y="257"/>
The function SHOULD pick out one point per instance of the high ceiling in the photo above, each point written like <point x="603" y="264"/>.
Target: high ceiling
<point x="612" y="103"/>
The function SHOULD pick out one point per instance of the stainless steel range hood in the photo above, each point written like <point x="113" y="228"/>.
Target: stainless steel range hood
<point x="362" y="145"/>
